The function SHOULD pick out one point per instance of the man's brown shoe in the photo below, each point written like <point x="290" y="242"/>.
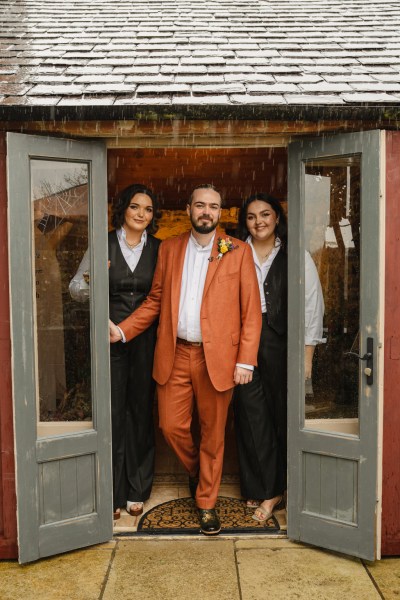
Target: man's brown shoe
<point x="209" y="521"/>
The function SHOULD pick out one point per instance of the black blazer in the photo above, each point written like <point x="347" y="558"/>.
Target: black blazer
<point x="276" y="293"/>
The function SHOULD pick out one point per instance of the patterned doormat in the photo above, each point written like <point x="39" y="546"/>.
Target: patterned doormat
<point x="180" y="517"/>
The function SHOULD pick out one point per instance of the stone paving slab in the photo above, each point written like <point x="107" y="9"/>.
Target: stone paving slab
<point x="179" y="570"/>
<point x="386" y="573"/>
<point x="284" y="573"/>
<point x="73" y="576"/>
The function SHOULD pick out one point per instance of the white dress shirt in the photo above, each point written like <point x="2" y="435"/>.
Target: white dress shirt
<point x="263" y="268"/>
<point x="131" y="255"/>
<point x="193" y="279"/>
<point x="79" y="289"/>
<point x="314" y="300"/>
<point x="314" y="304"/>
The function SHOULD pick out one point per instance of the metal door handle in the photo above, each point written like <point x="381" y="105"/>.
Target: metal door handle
<point x="369" y="357"/>
<point x="366" y="356"/>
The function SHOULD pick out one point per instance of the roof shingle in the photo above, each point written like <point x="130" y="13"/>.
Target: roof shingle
<point x="209" y="51"/>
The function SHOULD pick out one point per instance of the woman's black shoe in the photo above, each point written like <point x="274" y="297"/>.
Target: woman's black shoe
<point x="209" y="521"/>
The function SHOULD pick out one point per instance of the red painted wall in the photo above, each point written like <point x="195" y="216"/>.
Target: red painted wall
<point x="8" y="517"/>
<point x="391" y="417"/>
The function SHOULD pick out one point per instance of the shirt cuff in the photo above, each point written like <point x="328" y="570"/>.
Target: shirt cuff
<point x="248" y="367"/>
<point x="84" y="291"/>
<point x="123" y="338"/>
<point x="310" y="341"/>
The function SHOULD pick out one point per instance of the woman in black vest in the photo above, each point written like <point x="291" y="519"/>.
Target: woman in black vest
<point x="260" y="406"/>
<point x="132" y="254"/>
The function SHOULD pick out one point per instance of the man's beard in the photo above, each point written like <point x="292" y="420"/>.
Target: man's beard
<point x="206" y="228"/>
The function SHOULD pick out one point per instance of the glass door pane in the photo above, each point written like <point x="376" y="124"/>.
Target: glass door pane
<point x="332" y="239"/>
<point x="60" y="210"/>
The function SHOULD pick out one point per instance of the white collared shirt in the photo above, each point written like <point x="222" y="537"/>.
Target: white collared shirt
<point x="314" y="304"/>
<point x="131" y="255"/>
<point x="192" y="286"/>
<point x="314" y="300"/>
<point x="263" y="268"/>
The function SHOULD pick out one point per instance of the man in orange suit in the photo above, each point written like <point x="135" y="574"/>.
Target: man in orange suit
<point x="205" y="293"/>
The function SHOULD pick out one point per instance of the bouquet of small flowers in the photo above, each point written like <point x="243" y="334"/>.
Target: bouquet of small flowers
<point x="224" y="245"/>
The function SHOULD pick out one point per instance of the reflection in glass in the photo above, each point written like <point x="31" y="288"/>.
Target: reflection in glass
<point x="332" y="237"/>
<point x="59" y="193"/>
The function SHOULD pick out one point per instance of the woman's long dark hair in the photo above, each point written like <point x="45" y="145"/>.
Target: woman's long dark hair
<point x="124" y="199"/>
<point x="280" y="229"/>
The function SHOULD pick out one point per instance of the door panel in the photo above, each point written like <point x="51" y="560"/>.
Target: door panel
<point x="57" y="209"/>
<point x="334" y="216"/>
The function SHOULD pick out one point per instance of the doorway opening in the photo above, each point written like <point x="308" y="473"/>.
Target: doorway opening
<point x="239" y="172"/>
<point x="172" y="173"/>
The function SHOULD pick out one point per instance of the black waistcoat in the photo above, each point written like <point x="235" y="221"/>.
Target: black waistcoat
<point x="276" y="293"/>
<point x="128" y="290"/>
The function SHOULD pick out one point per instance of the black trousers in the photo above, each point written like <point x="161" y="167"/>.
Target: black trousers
<point x="260" y="409"/>
<point x="132" y="394"/>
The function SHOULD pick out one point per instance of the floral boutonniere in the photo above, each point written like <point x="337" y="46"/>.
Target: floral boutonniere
<point x="224" y="245"/>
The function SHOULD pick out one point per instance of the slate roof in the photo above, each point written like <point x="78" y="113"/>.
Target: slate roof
<point x="175" y="53"/>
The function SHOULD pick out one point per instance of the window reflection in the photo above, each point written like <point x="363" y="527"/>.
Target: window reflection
<point x="59" y="192"/>
<point x="332" y="236"/>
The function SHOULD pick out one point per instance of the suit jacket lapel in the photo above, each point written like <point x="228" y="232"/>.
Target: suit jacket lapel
<point x="214" y="264"/>
<point x="177" y="270"/>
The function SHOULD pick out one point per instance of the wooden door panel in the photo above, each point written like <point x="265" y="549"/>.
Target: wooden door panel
<point x="62" y="413"/>
<point x="333" y="445"/>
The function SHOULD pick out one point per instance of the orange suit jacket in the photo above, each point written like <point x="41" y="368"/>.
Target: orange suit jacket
<point x="230" y="313"/>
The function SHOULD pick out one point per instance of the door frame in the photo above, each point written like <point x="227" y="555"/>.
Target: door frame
<point x="381" y="354"/>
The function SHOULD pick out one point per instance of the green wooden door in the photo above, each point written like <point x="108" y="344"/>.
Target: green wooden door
<point x="335" y="214"/>
<point x="57" y="209"/>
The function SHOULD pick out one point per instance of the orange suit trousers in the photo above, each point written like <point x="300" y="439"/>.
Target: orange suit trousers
<point x="190" y="383"/>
